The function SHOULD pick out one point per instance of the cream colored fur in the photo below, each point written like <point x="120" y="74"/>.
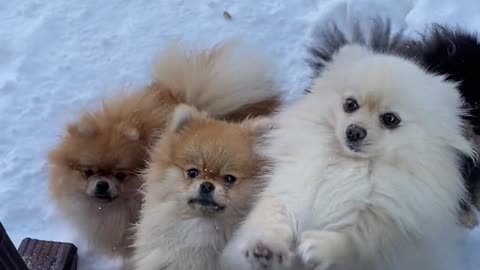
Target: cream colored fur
<point x="218" y="81"/>
<point x="227" y="81"/>
<point x="173" y="233"/>
<point x="391" y="207"/>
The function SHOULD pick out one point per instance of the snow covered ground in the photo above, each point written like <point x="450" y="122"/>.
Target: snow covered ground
<point x="59" y="57"/>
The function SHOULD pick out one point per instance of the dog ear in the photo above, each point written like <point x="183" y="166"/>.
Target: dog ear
<point x="183" y="117"/>
<point x="130" y="129"/>
<point x="86" y="127"/>
<point x="132" y="134"/>
<point x="259" y="126"/>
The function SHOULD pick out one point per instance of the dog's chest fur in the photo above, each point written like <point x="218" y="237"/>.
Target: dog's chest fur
<point x="198" y="243"/>
<point x="342" y="188"/>
<point x="329" y="190"/>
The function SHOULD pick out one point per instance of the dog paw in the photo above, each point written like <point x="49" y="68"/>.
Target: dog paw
<point x="268" y="255"/>
<point x="321" y="250"/>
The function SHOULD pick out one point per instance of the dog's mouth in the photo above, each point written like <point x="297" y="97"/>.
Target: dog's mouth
<point x="354" y="146"/>
<point x="104" y="198"/>
<point x="205" y="204"/>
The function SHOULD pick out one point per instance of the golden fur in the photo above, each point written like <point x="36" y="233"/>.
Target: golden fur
<point x="111" y="145"/>
<point x="114" y="139"/>
<point x="184" y="235"/>
<point x="228" y="81"/>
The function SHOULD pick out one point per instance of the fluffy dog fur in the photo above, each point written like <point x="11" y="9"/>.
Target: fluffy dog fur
<point x="183" y="227"/>
<point x="94" y="170"/>
<point x="386" y="199"/>
<point x="455" y="53"/>
<point x="441" y="50"/>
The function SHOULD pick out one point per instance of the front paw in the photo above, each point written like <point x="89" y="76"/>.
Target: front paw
<point x="268" y="254"/>
<point x="257" y="252"/>
<point x="323" y="250"/>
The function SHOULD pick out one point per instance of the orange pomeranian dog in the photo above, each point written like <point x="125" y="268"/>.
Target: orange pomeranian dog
<point x="201" y="181"/>
<point x="94" y="170"/>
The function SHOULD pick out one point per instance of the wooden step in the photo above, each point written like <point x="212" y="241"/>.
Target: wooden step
<point x="36" y="254"/>
<point x="9" y="257"/>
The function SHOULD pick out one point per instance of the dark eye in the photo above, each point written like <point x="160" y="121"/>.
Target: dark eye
<point x="193" y="173"/>
<point x="88" y="172"/>
<point x="229" y="178"/>
<point x="120" y="175"/>
<point x="350" y="105"/>
<point x="390" y="120"/>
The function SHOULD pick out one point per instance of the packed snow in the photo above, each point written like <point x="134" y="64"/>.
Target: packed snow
<point x="58" y="58"/>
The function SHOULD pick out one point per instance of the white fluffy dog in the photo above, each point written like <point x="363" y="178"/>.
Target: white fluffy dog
<point x="366" y="173"/>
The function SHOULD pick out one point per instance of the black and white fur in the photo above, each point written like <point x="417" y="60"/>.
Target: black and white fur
<point x="453" y="53"/>
<point x="390" y="201"/>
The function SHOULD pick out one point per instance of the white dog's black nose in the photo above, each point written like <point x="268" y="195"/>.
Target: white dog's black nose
<point x="206" y="188"/>
<point x="356" y="133"/>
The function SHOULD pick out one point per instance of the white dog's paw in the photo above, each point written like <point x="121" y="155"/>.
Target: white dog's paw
<point x="257" y="252"/>
<point x="321" y="250"/>
<point x="264" y="254"/>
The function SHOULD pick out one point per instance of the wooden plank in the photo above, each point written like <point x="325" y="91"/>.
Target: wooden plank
<point x="9" y="257"/>
<point x="43" y="255"/>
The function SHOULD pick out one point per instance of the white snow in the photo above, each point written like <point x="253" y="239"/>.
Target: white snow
<point x="59" y="57"/>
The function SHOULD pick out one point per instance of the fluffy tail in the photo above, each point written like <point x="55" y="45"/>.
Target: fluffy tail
<point x="226" y="81"/>
<point x="454" y="53"/>
<point x="328" y="38"/>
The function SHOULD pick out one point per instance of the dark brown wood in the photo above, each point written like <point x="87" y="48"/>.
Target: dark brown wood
<point x="9" y="257"/>
<point x="43" y="255"/>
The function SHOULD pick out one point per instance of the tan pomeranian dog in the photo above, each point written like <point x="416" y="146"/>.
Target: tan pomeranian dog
<point x="200" y="183"/>
<point x="94" y="170"/>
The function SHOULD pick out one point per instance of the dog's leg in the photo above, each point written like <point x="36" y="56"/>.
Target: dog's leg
<point x="322" y="250"/>
<point x="356" y="247"/>
<point x="158" y="259"/>
<point x="266" y="239"/>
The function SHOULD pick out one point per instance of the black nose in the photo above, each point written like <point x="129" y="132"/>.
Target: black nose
<point x="206" y="188"/>
<point x="102" y="188"/>
<point x="356" y="133"/>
